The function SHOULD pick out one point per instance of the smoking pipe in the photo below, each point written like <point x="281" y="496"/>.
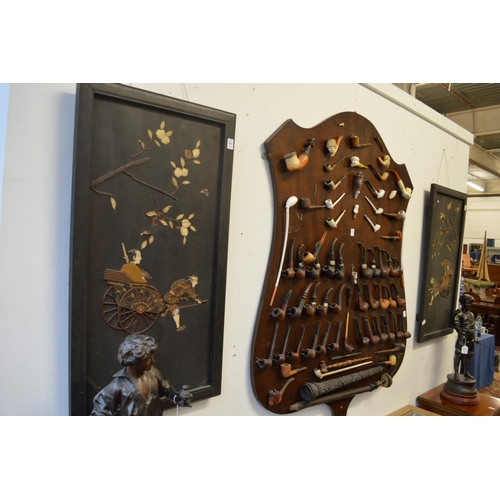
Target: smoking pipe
<point x="362" y="340"/>
<point x="392" y="272"/>
<point x="322" y="309"/>
<point x="295" y="312"/>
<point x="290" y="202"/>
<point x="383" y="302"/>
<point x="310" y="309"/>
<point x="274" y="396"/>
<point x="396" y="237"/>
<point x="378" y="193"/>
<point x="384" y="161"/>
<point x="279" y="359"/>
<point x="391" y="361"/>
<point x="392" y="303"/>
<point x="280" y="313"/>
<point x="300" y="270"/>
<point x="362" y="305"/>
<point x="336" y="307"/>
<point x="344" y="356"/>
<point x="332" y="145"/>
<point x="355" y="142"/>
<point x="290" y="272"/>
<point x="321" y="349"/>
<point x="398" y="267"/>
<point x="311" y="353"/>
<point x="374" y="339"/>
<point x="264" y="363"/>
<point x="323" y="367"/>
<point x="329" y="269"/>
<point x="294" y="355"/>
<point x="399" y="333"/>
<point x="358" y="184"/>
<point x="395" y="348"/>
<point x="328" y="168"/>
<point x="380" y="177"/>
<point x="308" y="257"/>
<point x="401" y="215"/>
<point x="339" y="272"/>
<point x="376" y="211"/>
<point x="330" y="185"/>
<point x="374" y="303"/>
<point x="387" y="330"/>
<point x="383" y="336"/>
<point x="347" y="348"/>
<point x="335" y="346"/>
<point x="294" y="164"/>
<point x="335" y="222"/>
<point x="406" y="333"/>
<point x="384" y="270"/>
<point x="373" y="265"/>
<point x="286" y="370"/>
<point x="348" y="296"/>
<point x="366" y="272"/>
<point x="375" y="227"/>
<point x="320" y="375"/>
<point x="355" y="163"/>
<point x="400" y="301"/>
<point x="314" y="271"/>
<point x="406" y="192"/>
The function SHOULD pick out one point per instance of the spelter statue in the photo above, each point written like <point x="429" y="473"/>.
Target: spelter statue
<point x="464" y="324"/>
<point x="137" y="388"/>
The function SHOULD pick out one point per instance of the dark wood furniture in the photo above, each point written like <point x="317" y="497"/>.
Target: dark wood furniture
<point x="431" y="401"/>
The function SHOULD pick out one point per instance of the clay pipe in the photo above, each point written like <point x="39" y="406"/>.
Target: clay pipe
<point x="362" y="305"/>
<point x="376" y="211"/>
<point x="295" y="312"/>
<point x="399" y="333"/>
<point x="321" y="349"/>
<point x="374" y="303"/>
<point x="300" y="270"/>
<point x="279" y="359"/>
<point x="378" y="193"/>
<point x="347" y="348"/>
<point x="392" y="271"/>
<point x="366" y="272"/>
<point x="340" y="269"/>
<point x="384" y="270"/>
<point x="387" y="330"/>
<point x="392" y="303"/>
<point x="310" y="309"/>
<point x="294" y="355"/>
<point x="332" y="145"/>
<point x="375" y="227"/>
<point x="331" y="186"/>
<point x="286" y="370"/>
<point x="362" y="340"/>
<point x="335" y="346"/>
<point x="373" y="265"/>
<point x="290" y="202"/>
<point x="280" y="313"/>
<point x="331" y="222"/>
<point x="294" y="164"/>
<point x="274" y="396"/>
<point x="311" y="353"/>
<point x="328" y="168"/>
<point x="406" y="333"/>
<point x="336" y="307"/>
<point x="374" y="339"/>
<point x="290" y="271"/>
<point x="383" y="336"/>
<point x="264" y="363"/>
<point x="329" y="269"/>
<point x="400" y="301"/>
<point x="322" y="309"/>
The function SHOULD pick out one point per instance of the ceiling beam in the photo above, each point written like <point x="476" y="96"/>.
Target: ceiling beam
<point x="481" y="158"/>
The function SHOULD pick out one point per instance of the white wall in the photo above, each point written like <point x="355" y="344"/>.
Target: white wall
<point x="4" y="100"/>
<point x="483" y="215"/>
<point x="34" y="238"/>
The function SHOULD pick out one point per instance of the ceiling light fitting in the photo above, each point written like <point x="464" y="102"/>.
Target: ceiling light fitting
<point x="475" y="186"/>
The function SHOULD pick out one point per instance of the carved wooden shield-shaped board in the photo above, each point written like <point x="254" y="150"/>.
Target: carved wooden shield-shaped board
<point x="332" y="320"/>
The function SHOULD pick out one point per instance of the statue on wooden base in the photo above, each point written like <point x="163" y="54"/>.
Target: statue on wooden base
<point x="461" y="388"/>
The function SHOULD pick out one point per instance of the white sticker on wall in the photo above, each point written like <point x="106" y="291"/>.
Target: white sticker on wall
<point x="352" y="231"/>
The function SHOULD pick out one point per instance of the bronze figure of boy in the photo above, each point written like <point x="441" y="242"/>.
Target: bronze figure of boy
<point x="137" y="388"/>
<point x="464" y="324"/>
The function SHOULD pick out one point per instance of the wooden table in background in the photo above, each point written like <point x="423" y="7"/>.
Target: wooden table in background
<point x="488" y="405"/>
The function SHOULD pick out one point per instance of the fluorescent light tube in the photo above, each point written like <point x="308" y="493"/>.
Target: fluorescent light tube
<point x="475" y="186"/>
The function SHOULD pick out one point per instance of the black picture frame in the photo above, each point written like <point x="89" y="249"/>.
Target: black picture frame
<point x="442" y="259"/>
<point x="182" y="156"/>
